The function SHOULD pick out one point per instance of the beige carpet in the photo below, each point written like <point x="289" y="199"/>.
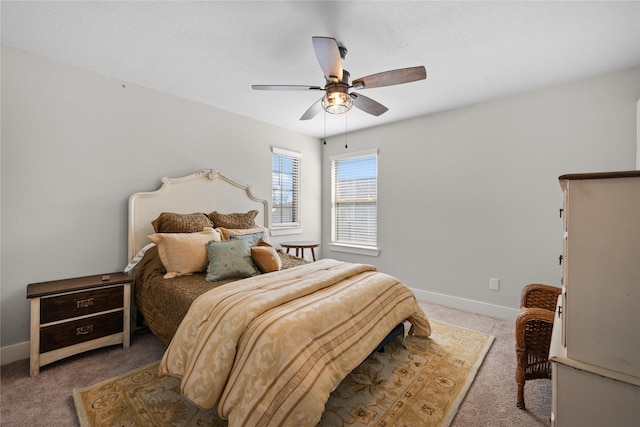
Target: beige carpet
<point x="421" y="383"/>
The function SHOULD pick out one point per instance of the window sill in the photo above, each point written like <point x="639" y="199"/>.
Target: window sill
<point x="354" y="249"/>
<point x="284" y="231"/>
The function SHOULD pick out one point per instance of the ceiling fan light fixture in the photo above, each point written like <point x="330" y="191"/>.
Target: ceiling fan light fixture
<point x="337" y="102"/>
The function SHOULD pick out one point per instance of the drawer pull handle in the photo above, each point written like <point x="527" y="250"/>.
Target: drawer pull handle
<point x="84" y="330"/>
<point x="84" y="303"/>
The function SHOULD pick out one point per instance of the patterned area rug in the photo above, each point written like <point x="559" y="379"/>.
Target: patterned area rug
<point x="421" y="382"/>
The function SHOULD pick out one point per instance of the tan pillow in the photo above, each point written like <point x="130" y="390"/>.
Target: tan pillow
<point x="234" y="220"/>
<point x="226" y="232"/>
<point x="184" y="253"/>
<point x="265" y="257"/>
<point x="169" y="222"/>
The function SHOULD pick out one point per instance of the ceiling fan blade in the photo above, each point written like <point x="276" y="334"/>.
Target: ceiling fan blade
<point x="285" y="87"/>
<point x="328" y="55"/>
<point x="368" y="105"/>
<point x="313" y="110"/>
<point x="392" y="77"/>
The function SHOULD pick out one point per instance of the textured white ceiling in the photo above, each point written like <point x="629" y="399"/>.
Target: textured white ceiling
<point x="212" y="51"/>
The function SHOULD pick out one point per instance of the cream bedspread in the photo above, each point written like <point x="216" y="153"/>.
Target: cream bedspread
<point x="269" y="350"/>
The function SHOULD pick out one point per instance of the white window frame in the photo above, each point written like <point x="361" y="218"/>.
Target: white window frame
<point x="284" y="228"/>
<point x="638" y="135"/>
<point x="350" y="247"/>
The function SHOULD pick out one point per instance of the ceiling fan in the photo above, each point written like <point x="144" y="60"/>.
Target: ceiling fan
<point x="337" y="98"/>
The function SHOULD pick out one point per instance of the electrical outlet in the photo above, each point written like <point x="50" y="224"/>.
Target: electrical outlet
<point x="494" y="284"/>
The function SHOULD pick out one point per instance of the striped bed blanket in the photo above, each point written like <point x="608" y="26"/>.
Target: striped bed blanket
<point x="269" y="350"/>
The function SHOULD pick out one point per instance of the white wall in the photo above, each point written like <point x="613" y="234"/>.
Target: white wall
<point x="76" y="144"/>
<point x="464" y="195"/>
<point x="472" y="194"/>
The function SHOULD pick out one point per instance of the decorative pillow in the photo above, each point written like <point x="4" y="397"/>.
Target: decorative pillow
<point x="234" y="220"/>
<point x="226" y="233"/>
<point x="251" y="237"/>
<point x="169" y="222"/>
<point x="184" y="253"/>
<point x="266" y="257"/>
<point x="230" y="259"/>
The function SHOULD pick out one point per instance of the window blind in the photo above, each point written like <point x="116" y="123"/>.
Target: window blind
<point x="355" y="198"/>
<point x="285" y="187"/>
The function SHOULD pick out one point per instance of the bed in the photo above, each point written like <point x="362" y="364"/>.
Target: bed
<point x="263" y="348"/>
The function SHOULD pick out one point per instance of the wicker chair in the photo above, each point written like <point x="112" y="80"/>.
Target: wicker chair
<point x="533" y="334"/>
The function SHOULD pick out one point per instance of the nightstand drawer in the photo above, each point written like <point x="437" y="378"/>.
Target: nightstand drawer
<point x="78" y="331"/>
<point x="80" y="304"/>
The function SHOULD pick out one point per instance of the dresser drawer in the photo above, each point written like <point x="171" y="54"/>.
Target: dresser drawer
<point x="78" y="331"/>
<point x="80" y="304"/>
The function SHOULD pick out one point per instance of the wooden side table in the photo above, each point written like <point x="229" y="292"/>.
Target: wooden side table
<point x="72" y="316"/>
<point x="300" y="247"/>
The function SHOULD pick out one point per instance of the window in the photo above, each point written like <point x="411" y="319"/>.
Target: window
<point x="354" y="199"/>
<point x="285" y="188"/>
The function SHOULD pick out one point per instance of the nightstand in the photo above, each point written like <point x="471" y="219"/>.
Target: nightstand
<point x="300" y="247"/>
<point x="75" y="315"/>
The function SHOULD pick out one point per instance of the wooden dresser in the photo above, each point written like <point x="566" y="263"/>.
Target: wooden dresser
<point x="595" y="347"/>
<point x="75" y="315"/>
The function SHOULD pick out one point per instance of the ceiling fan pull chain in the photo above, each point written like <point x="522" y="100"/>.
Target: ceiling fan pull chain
<point x="324" y="118"/>
<point x="345" y="131"/>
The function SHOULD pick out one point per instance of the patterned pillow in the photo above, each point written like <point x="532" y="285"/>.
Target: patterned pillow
<point x="226" y="233"/>
<point x="251" y="237"/>
<point x="184" y="253"/>
<point x="230" y="259"/>
<point x="266" y="257"/>
<point x="234" y="220"/>
<point x="169" y="222"/>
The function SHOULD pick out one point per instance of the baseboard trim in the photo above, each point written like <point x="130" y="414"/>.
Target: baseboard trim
<point x="13" y="353"/>
<point x="465" y="304"/>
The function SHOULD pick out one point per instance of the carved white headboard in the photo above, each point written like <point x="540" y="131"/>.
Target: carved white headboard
<point x="204" y="191"/>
